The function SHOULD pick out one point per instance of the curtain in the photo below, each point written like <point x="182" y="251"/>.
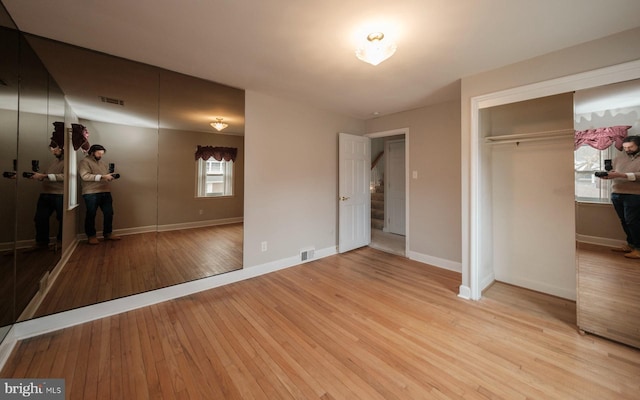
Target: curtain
<point x="218" y="153"/>
<point x="601" y="138"/>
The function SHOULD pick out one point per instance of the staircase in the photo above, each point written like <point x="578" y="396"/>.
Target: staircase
<point x="377" y="207"/>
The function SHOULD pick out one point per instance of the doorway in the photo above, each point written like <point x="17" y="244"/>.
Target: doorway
<point x="476" y="274"/>
<point x="389" y="188"/>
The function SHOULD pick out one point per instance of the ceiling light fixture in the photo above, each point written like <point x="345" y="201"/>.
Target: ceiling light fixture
<point x="376" y="49"/>
<point x="219" y="125"/>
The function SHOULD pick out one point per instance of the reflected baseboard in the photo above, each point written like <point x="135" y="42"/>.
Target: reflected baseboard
<point x="199" y="224"/>
<point x="169" y="227"/>
<point x="599" y="241"/>
<point x="35" y="302"/>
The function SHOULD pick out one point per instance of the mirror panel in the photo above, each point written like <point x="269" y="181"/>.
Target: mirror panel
<point x="150" y="120"/>
<point x="9" y="39"/>
<point x="198" y="237"/>
<point x="37" y="250"/>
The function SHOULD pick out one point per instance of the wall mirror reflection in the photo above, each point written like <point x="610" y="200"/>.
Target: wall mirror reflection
<point x="9" y="46"/>
<point x="607" y="271"/>
<point x="152" y="123"/>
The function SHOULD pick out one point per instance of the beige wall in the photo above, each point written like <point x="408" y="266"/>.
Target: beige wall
<point x="434" y="197"/>
<point x="291" y="170"/>
<point x="177" y="203"/>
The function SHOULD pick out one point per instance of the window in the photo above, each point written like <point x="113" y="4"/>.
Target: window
<point x="215" y="178"/>
<point x="589" y="188"/>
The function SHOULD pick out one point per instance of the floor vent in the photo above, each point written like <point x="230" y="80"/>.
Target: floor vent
<point x="306" y="255"/>
<point x="111" y="100"/>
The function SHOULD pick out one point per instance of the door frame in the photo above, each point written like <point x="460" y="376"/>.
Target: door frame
<point x="405" y="132"/>
<point x="473" y="254"/>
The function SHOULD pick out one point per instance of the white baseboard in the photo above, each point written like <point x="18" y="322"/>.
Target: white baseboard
<point x="6" y="346"/>
<point x="436" y="262"/>
<point x="464" y="292"/>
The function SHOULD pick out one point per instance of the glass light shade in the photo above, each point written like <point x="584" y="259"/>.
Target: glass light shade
<point x="376" y="49"/>
<point x="219" y="125"/>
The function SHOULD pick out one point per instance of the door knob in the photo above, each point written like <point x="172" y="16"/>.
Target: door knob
<point x="342" y="198"/>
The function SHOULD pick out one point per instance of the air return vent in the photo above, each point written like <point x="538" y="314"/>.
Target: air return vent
<point x="306" y="254"/>
<point x="111" y="100"/>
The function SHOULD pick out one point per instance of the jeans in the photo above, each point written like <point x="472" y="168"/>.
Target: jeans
<point x="93" y="201"/>
<point x="627" y="207"/>
<point x="47" y="204"/>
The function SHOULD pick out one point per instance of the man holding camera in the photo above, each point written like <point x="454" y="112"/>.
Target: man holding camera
<point x="96" y="193"/>
<point x="625" y="193"/>
<point x="50" y="200"/>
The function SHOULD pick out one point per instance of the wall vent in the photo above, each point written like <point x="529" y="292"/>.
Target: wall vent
<point x="111" y="100"/>
<point x="306" y="254"/>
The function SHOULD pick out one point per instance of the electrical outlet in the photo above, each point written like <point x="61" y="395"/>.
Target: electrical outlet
<point x="201" y="212"/>
<point x="264" y="246"/>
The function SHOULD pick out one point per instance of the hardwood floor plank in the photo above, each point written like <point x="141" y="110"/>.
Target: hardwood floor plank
<point x="143" y="262"/>
<point x="360" y="325"/>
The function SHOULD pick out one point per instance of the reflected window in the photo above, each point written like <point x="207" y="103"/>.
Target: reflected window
<point x="215" y="178"/>
<point x="587" y="161"/>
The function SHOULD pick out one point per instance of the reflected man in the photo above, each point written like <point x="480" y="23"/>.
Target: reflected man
<point x="51" y="198"/>
<point x="625" y="193"/>
<point x="96" y="193"/>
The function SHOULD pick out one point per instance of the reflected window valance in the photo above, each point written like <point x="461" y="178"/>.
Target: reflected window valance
<point x="602" y="138"/>
<point x="218" y="153"/>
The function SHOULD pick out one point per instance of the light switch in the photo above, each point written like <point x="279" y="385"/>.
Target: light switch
<point x="415" y="174"/>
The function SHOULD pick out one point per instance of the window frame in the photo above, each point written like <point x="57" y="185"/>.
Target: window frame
<point x="202" y="172"/>
<point x="605" y="185"/>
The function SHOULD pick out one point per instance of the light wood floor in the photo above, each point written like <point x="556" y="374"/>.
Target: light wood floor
<point x="143" y="262"/>
<point x="360" y="325"/>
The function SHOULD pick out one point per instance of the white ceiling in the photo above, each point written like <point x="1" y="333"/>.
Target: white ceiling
<point x="304" y="49"/>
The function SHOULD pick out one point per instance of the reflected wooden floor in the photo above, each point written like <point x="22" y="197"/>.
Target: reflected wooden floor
<point x="143" y="262"/>
<point x="360" y="325"/>
<point x="609" y="293"/>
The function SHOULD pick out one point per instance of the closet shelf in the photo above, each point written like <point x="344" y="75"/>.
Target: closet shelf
<point x="528" y="137"/>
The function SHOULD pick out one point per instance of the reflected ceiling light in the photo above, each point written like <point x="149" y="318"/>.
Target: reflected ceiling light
<point x="376" y="49"/>
<point x="219" y="125"/>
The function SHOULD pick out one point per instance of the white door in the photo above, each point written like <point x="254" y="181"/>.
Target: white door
<point x="354" y="196"/>
<point x="395" y="204"/>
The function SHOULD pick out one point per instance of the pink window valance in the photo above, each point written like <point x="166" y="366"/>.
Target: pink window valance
<point x="601" y="138"/>
<point x="217" y="153"/>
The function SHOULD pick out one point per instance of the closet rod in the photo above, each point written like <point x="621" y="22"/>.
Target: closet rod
<point x="527" y="137"/>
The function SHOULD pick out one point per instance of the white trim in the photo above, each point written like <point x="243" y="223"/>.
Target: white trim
<point x="407" y="173"/>
<point x="603" y="76"/>
<point x="464" y="292"/>
<point x="6" y="346"/>
<point x="436" y="262"/>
